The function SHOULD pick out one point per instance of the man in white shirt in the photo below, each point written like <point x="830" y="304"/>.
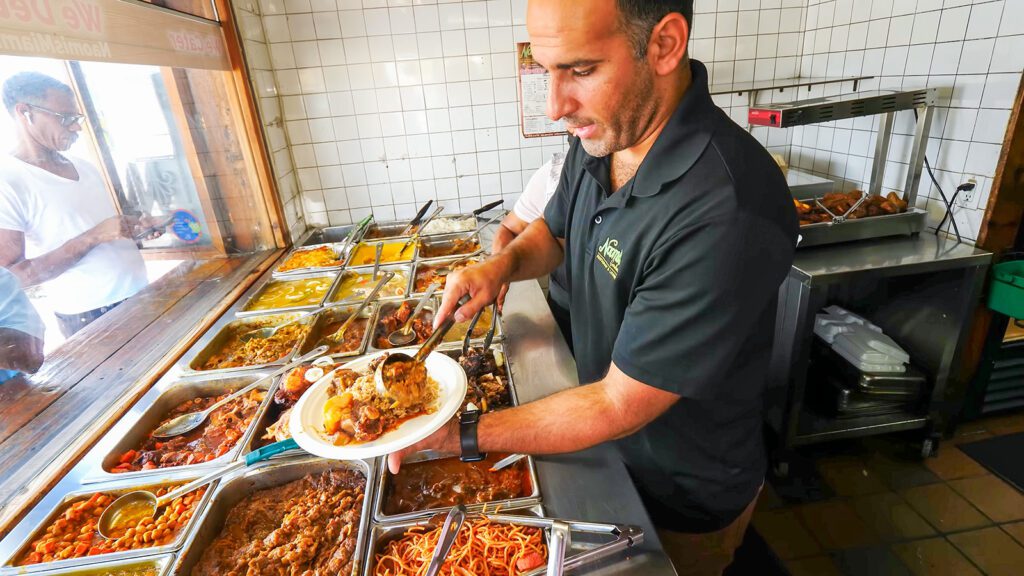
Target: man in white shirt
<point x="529" y="207"/>
<point x="58" y="224"/>
<point x="21" y="330"/>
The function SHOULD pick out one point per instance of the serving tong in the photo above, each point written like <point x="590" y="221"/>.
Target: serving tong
<point x="626" y="536"/>
<point x="840" y="218"/>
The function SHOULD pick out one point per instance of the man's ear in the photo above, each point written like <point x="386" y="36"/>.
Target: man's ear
<point x="667" y="47"/>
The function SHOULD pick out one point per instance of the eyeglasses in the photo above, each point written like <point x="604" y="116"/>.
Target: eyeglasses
<point x="66" y="120"/>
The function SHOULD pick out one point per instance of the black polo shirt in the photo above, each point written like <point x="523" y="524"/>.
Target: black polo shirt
<point x="674" y="278"/>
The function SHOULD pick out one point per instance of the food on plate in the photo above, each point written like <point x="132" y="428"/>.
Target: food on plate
<point x="309" y="526"/>
<point x="356" y="412"/>
<point x="481" y="547"/>
<point x="291" y="293"/>
<point x="456" y="247"/>
<point x="446" y="482"/>
<point x="72" y="533"/>
<point x="427" y="275"/>
<point x="354" y="286"/>
<point x="392" y="319"/>
<point x="292" y="387"/>
<point x="459" y="329"/>
<point x="234" y="353"/>
<point x="366" y="252"/>
<point x="319" y="257"/>
<point x="221" y="431"/>
<point x="839" y="202"/>
<point x="450" y="224"/>
<point x="488" y="378"/>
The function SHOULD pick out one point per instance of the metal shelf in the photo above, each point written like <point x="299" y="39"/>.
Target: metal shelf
<point x="783" y="83"/>
<point x="815" y="427"/>
<point x="841" y="107"/>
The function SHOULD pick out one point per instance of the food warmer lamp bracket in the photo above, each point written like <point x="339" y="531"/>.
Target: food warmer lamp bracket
<point x="626" y="537"/>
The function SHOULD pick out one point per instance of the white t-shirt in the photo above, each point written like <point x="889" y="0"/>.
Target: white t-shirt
<point x="539" y="189"/>
<point x="50" y="210"/>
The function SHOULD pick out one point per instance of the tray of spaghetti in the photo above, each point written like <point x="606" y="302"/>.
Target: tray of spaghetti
<point x="481" y="547"/>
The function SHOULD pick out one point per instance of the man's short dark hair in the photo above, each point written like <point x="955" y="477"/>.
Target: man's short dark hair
<point x="639" y="17"/>
<point x="31" y="88"/>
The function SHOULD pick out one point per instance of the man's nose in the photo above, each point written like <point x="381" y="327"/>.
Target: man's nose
<point x="560" y="101"/>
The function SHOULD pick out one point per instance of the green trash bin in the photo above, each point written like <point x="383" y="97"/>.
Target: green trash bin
<point x="1006" y="294"/>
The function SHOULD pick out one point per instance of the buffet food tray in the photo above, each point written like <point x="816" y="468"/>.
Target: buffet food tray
<point x="533" y="497"/>
<point x="386" y="308"/>
<point x="154" y="413"/>
<point x="446" y="240"/>
<point x="119" y="487"/>
<point x="331" y="235"/>
<point x="340" y="250"/>
<point x="423" y="264"/>
<point x="406" y="269"/>
<point x="412" y="251"/>
<point x="482" y="327"/>
<point x="910" y="222"/>
<point x="496" y="348"/>
<point x="323" y="318"/>
<point x="158" y="566"/>
<point x="392" y="230"/>
<point x="381" y="534"/>
<point x="242" y="324"/>
<point x="245" y="312"/>
<point x="233" y="489"/>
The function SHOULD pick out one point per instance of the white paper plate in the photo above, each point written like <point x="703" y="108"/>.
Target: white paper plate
<point x="306" y="422"/>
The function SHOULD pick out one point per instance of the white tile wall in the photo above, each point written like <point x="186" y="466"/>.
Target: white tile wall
<point x="257" y="22"/>
<point x="388" y="103"/>
<point x="972" y="51"/>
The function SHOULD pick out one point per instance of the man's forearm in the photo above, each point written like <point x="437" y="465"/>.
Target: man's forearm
<point x="532" y="254"/>
<point x="54" y="263"/>
<point x="502" y="237"/>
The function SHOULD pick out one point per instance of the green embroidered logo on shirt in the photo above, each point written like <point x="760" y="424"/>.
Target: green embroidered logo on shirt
<point x="610" y="256"/>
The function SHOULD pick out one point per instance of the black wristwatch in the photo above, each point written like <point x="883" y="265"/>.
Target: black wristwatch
<point x="467" y="435"/>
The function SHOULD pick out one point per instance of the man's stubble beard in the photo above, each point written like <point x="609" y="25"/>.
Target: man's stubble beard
<point x="636" y="111"/>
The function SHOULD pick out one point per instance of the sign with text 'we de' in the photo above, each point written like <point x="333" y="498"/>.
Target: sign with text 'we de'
<point x="110" y="31"/>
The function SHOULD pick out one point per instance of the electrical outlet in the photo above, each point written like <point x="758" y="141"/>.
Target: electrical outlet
<point x="969" y="198"/>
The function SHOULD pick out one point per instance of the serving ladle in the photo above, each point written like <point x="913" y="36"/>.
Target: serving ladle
<point x="405" y="335"/>
<point x="132" y="507"/>
<point x="188" y="422"/>
<point x="268" y="331"/>
<point x="382" y="377"/>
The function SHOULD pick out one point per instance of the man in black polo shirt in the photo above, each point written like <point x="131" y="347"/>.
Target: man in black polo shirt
<point x="677" y="229"/>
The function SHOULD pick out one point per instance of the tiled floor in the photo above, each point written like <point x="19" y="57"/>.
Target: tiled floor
<point x="883" y="511"/>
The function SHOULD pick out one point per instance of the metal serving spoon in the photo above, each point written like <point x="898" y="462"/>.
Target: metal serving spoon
<point x="269" y="331"/>
<point x="188" y="422"/>
<point x="452" y="524"/>
<point x="450" y="267"/>
<point x="337" y="335"/>
<point x="416" y="219"/>
<point x="376" y="260"/>
<point x="382" y="383"/>
<point x="139" y="504"/>
<point x="404" y="335"/>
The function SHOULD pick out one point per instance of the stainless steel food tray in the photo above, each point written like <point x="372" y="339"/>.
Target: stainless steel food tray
<point x="432" y="263"/>
<point x="910" y="222"/>
<point x="476" y="222"/>
<point x="161" y="565"/>
<point x="173" y="396"/>
<point x="330" y="235"/>
<point x="244" y="311"/>
<point x="482" y="327"/>
<point x="403" y="268"/>
<point x="495" y="348"/>
<point x="412" y="252"/>
<point x="381" y="534"/>
<point x="249" y="323"/>
<point x="233" y="489"/>
<point x="113" y="487"/>
<point x="331" y="314"/>
<point x="386" y="308"/>
<point x="534" y="496"/>
<point x="393" y="230"/>
<point x="446" y="239"/>
<point x="340" y="250"/>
